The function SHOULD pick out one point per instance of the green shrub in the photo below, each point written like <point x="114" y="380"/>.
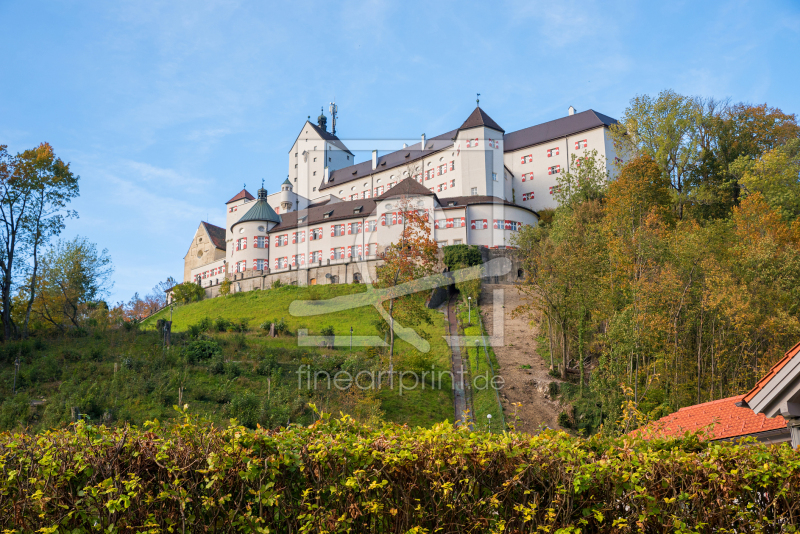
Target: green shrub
<point x="188" y="292"/>
<point x="246" y="409"/>
<point x="502" y="482"/>
<point x="458" y="256"/>
<point x="200" y="350"/>
<point x="205" y="324"/>
<point x="328" y="331"/>
<point x="221" y="324"/>
<point x="233" y="369"/>
<point x="553" y="389"/>
<point x="277" y="284"/>
<point x="217" y="366"/>
<point x="266" y="365"/>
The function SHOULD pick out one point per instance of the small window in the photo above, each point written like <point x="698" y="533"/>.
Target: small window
<point x="315" y="159"/>
<point x="357" y="210"/>
<point x="456" y="241"/>
<point x="494" y="176"/>
<point x="327" y="214"/>
<point x="315" y="189"/>
<point x="315" y="173"/>
<point x="348" y="157"/>
<point x="474" y="191"/>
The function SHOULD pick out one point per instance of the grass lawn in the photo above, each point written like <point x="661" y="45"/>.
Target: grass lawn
<point x="416" y="406"/>
<point x="484" y="401"/>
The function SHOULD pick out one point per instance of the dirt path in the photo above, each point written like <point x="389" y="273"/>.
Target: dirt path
<point x="527" y="386"/>
<point x="457" y="364"/>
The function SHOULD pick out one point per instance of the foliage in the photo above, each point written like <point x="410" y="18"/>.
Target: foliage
<point x="188" y="292"/>
<point x="328" y="331"/>
<point x="665" y="309"/>
<point x="277" y="284"/>
<point x="225" y="287"/>
<point x="413" y="257"/>
<point x="342" y="476"/>
<point x="202" y="349"/>
<point x="776" y="176"/>
<point x="459" y="256"/>
<point x="74" y="276"/>
<point x="35" y="189"/>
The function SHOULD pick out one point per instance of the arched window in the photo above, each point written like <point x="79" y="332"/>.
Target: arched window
<point x="520" y="273"/>
<point x="356" y="278"/>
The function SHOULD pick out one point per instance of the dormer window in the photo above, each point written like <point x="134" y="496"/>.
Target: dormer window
<point x="358" y="209"/>
<point x="355" y="172"/>
<point x="327" y="214"/>
<point x="302" y="219"/>
<point x="451" y="203"/>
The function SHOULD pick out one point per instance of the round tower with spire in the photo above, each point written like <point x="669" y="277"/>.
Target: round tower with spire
<point x="286" y="196"/>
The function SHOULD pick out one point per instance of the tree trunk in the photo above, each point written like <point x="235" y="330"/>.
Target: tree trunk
<point x="564" y="354"/>
<point x="550" y="341"/>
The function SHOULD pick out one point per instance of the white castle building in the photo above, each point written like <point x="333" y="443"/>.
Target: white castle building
<point x="333" y="215"/>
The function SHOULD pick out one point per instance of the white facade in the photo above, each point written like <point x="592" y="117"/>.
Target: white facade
<point x="478" y="184"/>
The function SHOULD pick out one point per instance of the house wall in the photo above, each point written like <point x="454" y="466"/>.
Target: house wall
<point x="535" y="172"/>
<point x="201" y="252"/>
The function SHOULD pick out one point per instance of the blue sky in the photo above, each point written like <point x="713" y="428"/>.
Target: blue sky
<point x="166" y="108"/>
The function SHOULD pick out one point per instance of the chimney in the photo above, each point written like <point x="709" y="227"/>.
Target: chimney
<point x="327" y="175"/>
<point x="374" y="159"/>
<point x="571" y="110"/>
<point x="423" y="142"/>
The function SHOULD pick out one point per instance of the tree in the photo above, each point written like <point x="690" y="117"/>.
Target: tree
<point x="225" y="287"/>
<point x="776" y="175"/>
<point x="35" y="188"/>
<point x="74" y="276"/>
<point x="666" y="129"/>
<point x="586" y="180"/>
<point x="188" y="292"/>
<point x="457" y="256"/>
<point x="412" y="257"/>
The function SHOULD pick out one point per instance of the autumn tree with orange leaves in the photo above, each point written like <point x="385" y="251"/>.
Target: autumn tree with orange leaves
<point x="412" y="257"/>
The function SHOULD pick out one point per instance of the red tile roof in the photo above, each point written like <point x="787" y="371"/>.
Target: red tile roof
<point x="791" y="353"/>
<point x="242" y="194"/>
<point x="720" y="418"/>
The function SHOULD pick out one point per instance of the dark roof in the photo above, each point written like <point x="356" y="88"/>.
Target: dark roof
<point x="240" y="195"/>
<point x="320" y="203"/>
<point x="541" y="133"/>
<point x="261" y="211"/>
<point x="391" y="160"/>
<point x="471" y="200"/>
<point x="409" y="186"/>
<point x="480" y="118"/>
<point x="216" y="234"/>
<point x="286" y="181"/>
<point x="324" y="134"/>
<point x="315" y="214"/>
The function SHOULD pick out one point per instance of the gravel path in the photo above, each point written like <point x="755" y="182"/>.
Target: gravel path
<point x="457" y="364"/>
<point x="528" y="386"/>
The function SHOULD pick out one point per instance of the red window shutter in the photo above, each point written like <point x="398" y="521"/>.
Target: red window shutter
<point x="449" y="223"/>
<point x="463" y="221"/>
<point x="332" y="253"/>
<point x="333" y="230"/>
<point x="383" y="220"/>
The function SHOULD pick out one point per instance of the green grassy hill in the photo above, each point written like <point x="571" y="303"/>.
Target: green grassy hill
<point x="120" y="375"/>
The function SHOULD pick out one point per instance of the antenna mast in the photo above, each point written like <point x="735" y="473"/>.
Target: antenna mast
<point x="334" y="109"/>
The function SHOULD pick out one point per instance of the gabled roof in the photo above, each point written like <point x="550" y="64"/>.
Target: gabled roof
<point x="391" y="160"/>
<point x="480" y="118"/>
<point x="324" y="134"/>
<point x="724" y="419"/>
<point x="261" y="211"/>
<point x="790" y="354"/>
<point x="240" y="195"/>
<point x="316" y="214"/>
<point x="408" y="187"/>
<point x="216" y="234"/>
<point x="569" y="125"/>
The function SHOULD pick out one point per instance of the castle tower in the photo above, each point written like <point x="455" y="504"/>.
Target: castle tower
<point x="286" y="196"/>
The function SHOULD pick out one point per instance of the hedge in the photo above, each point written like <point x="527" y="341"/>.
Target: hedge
<point x="338" y="475"/>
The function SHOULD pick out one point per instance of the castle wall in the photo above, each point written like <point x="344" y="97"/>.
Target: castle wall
<point x="343" y="273"/>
